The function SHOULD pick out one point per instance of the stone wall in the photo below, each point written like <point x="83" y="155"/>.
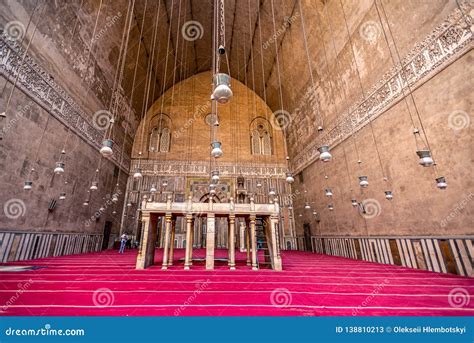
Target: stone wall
<point x="60" y="89"/>
<point x="187" y="105"/>
<point x="435" y="45"/>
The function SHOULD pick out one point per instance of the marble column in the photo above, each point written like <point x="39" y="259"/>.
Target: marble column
<point x="253" y="242"/>
<point x="231" y="242"/>
<point x="173" y="233"/>
<point x="210" y="240"/>
<point x="192" y="244"/>
<point x="167" y="241"/>
<point x="247" y="244"/>
<point x="189" y="241"/>
<point x="146" y="253"/>
<point x="275" y="249"/>
<point x="242" y="236"/>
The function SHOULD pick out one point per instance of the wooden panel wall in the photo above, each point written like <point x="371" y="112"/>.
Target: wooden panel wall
<point x="18" y="246"/>
<point x="442" y="255"/>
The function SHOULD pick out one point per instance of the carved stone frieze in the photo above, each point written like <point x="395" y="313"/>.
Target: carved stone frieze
<point x="38" y="84"/>
<point x="202" y="168"/>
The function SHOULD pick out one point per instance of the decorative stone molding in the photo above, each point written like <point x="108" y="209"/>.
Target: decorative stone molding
<point x="39" y="86"/>
<point x="446" y="43"/>
<point x="201" y="168"/>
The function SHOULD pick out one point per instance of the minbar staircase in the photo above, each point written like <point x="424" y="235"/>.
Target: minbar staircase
<point x="262" y="244"/>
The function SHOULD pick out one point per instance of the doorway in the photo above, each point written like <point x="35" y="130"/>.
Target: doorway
<point x="307" y="236"/>
<point x="107" y="230"/>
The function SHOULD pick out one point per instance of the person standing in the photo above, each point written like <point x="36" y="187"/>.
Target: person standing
<point x="123" y="242"/>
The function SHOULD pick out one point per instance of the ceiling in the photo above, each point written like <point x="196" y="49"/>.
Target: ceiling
<point x="245" y="38"/>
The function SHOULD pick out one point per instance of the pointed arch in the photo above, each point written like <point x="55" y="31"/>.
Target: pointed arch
<point x="261" y="137"/>
<point x="159" y="138"/>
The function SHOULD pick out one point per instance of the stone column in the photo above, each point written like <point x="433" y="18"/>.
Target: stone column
<point x="189" y="241"/>
<point x="167" y="241"/>
<point x="210" y="240"/>
<point x="192" y="244"/>
<point x="253" y="241"/>
<point x="146" y="253"/>
<point x="231" y="242"/>
<point x="275" y="252"/>
<point x="242" y="236"/>
<point x="173" y="232"/>
<point x="247" y="244"/>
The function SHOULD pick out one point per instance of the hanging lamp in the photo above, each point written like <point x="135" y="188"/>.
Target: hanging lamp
<point x="289" y="178"/>
<point x="106" y="149"/>
<point x="441" y="182"/>
<point x="425" y="158"/>
<point x="363" y="181"/>
<point x="212" y="188"/>
<point x="62" y="196"/>
<point x="328" y="192"/>
<point x="388" y="195"/>
<point x="28" y="185"/>
<point x="59" y="169"/>
<point x="215" y="175"/>
<point x="138" y="173"/>
<point x="222" y="92"/>
<point x="216" y="149"/>
<point x="324" y="154"/>
<point x="94" y="185"/>
<point x="354" y="202"/>
<point x="272" y="191"/>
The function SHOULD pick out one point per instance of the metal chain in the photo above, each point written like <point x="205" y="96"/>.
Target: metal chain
<point x="222" y="22"/>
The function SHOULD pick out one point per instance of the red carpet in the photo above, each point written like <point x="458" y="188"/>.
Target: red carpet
<point x="106" y="283"/>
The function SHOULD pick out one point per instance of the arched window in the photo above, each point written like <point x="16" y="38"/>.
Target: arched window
<point x="255" y="143"/>
<point x="160" y="134"/>
<point x="260" y="137"/>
